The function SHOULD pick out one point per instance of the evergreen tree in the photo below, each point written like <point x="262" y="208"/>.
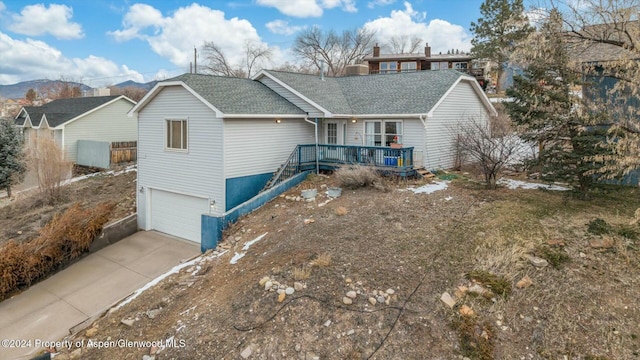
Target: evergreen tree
<point x="548" y="113"/>
<point x="12" y="160"/>
<point x="502" y="25"/>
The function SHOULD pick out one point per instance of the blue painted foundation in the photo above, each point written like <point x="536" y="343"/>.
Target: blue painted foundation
<point x="243" y="188"/>
<point x="213" y="226"/>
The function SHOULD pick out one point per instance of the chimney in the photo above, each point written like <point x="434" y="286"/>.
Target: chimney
<point x="427" y="50"/>
<point x="376" y="50"/>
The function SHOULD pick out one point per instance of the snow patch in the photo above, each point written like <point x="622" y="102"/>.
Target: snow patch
<point x="237" y="257"/>
<point x="198" y="260"/>
<point x="246" y="247"/>
<point x="430" y="188"/>
<point x="514" y="184"/>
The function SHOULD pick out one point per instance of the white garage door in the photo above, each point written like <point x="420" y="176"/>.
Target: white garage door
<point x="177" y="214"/>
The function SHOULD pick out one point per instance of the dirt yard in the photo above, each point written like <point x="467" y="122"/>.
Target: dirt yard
<point x="23" y="216"/>
<point x="397" y="275"/>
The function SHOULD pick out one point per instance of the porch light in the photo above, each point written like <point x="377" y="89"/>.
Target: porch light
<point x="354" y="120"/>
<point x="278" y="121"/>
<point x="141" y="190"/>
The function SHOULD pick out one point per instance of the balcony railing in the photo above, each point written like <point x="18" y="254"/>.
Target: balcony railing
<point x="477" y="73"/>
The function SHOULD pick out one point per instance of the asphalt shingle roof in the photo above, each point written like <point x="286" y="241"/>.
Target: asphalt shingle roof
<point x="60" y="111"/>
<point x="238" y="95"/>
<point x="394" y="93"/>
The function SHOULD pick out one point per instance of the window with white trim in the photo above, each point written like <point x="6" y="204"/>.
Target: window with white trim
<point x="408" y="66"/>
<point x="382" y="132"/>
<point x="386" y="67"/>
<point x="439" y="65"/>
<point x="176" y="134"/>
<point x="460" y="65"/>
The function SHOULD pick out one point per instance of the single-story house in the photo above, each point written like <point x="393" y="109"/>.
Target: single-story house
<point x="99" y="118"/>
<point x="208" y="143"/>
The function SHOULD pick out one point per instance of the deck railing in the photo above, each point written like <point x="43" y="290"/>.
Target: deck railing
<point x="400" y="160"/>
<point x="303" y="158"/>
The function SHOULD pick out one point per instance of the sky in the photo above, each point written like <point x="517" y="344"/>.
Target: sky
<point x="105" y="42"/>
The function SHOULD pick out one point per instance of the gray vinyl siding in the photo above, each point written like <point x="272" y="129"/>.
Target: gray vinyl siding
<point x="295" y="100"/>
<point x="258" y="146"/>
<point x="461" y="105"/>
<point x="197" y="172"/>
<point x="413" y="136"/>
<point x="110" y="123"/>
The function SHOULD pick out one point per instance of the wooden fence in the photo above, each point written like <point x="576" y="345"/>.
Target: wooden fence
<point x="123" y="151"/>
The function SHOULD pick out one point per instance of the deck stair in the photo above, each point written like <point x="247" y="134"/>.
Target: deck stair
<point x="424" y="173"/>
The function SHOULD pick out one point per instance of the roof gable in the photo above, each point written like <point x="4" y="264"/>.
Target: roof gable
<point x="229" y="96"/>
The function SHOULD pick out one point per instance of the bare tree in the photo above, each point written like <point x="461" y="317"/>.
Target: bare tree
<point x="337" y="51"/>
<point x="217" y="63"/>
<point x="475" y="142"/>
<point x="50" y="166"/>
<point x="132" y="92"/>
<point x="403" y="44"/>
<point x="61" y="89"/>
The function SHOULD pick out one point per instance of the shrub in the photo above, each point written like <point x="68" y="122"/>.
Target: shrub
<point x="556" y="257"/>
<point x="497" y="284"/>
<point x="598" y="226"/>
<point x="357" y="176"/>
<point x="63" y="239"/>
<point x="51" y="168"/>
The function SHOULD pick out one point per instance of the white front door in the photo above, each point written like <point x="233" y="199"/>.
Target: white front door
<point x="331" y="138"/>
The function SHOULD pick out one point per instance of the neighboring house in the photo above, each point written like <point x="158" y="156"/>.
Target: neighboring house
<point x="100" y="118"/>
<point x="206" y="143"/>
<point x="391" y="63"/>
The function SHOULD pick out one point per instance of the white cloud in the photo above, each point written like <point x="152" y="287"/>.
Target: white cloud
<point x="35" y="20"/>
<point x="282" y="27"/>
<point x="2" y="6"/>
<point x="440" y="34"/>
<point x="32" y="59"/>
<point x="173" y="37"/>
<point x="308" y="8"/>
<point x="373" y="4"/>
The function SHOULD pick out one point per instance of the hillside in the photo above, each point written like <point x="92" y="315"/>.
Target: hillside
<point x="399" y="275"/>
<point x="18" y="90"/>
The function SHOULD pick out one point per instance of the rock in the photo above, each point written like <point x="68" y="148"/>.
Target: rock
<point x="604" y="243"/>
<point x="375" y="292"/>
<point x="528" y="319"/>
<point x="352" y="294"/>
<point x="351" y="332"/>
<point x="280" y="291"/>
<point x="298" y="286"/>
<point x="498" y="323"/>
<point x="298" y="347"/>
<point x="91" y="332"/>
<point x="380" y="299"/>
<point x="19" y="232"/>
<point x="263" y="281"/>
<point x="447" y="299"/>
<point x="151" y="314"/>
<point x="128" y="322"/>
<point x="246" y="352"/>
<point x="148" y="357"/>
<point x="289" y="291"/>
<point x="309" y="221"/>
<point x="348" y="280"/>
<point x="390" y="291"/>
<point x="555" y="242"/>
<point x="536" y="261"/>
<point x="524" y="283"/>
<point x="347" y="300"/>
<point x="478" y="289"/>
<point x="327" y="323"/>
<point x="267" y="285"/>
<point x="281" y="297"/>
<point x="466" y="311"/>
<point x="582" y="255"/>
<point x="372" y="301"/>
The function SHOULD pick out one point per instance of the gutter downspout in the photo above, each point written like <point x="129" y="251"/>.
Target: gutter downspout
<point x="315" y="124"/>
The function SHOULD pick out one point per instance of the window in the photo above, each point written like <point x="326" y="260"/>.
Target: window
<point x="332" y="133"/>
<point x="176" y="134"/>
<point x="460" y="65"/>
<point x="408" y="66"/>
<point x="382" y="133"/>
<point x="439" y="65"/>
<point x="386" y="67"/>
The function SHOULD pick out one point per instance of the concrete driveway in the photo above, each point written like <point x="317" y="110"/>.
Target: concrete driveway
<point x="50" y="308"/>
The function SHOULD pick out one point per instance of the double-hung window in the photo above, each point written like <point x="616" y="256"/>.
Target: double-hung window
<point x="382" y="132"/>
<point x="176" y="135"/>
<point x="408" y="66"/>
<point x="387" y="67"/>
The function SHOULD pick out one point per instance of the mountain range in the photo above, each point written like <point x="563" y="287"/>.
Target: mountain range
<point x="18" y="91"/>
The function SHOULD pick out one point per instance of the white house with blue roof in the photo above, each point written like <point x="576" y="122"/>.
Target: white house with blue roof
<point x="207" y="143"/>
